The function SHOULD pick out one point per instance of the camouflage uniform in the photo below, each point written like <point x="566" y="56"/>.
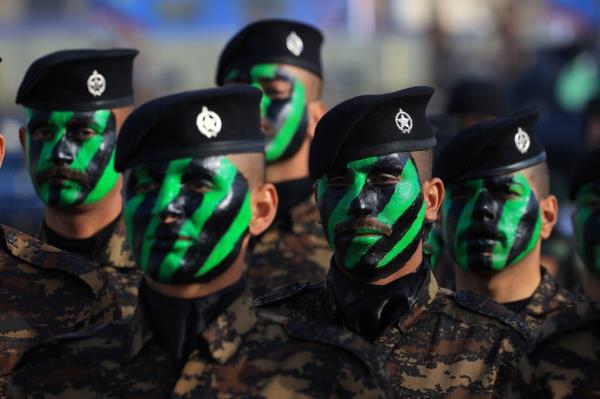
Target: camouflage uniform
<point x="447" y="345"/>
<point x="565" y="362"/>
<point x="45" y="292"/>
<point x="248" y="353"/>
<point x="117" y="261"/>
<point x="292" y="250"/>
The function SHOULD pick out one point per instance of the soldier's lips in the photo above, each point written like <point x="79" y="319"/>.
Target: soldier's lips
<point x="368" y="227"/>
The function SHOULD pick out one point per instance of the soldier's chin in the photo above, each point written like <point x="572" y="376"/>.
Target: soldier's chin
<point x="481" y="263"/>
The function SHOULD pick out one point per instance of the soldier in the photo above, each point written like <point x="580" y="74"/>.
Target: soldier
<point x="371" y="158"/>
<point x="497" y="211"/>
<point x="193" y="198"/>
<point x="585" y="191"/>
<point x="75" y="102"/>
<point x="283" y="58"/>
<point x="45" y="292"/>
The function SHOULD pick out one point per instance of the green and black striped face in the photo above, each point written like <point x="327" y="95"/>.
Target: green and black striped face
<point x="186" y="218"/>
<point x="70" y="155"/>
<point x="587" y="227"/>
<point x="373" y="213"/>
<point x="282" y="108"/>
<point x="491" y="223"/>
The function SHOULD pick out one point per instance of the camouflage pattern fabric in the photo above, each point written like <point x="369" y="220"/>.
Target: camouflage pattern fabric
<point x="448" y="345"/>
<point x="565" y="362"/>
<point x="553" y="304"/>
<point x="45" y="292"/>
<point x="248" y="354"/>
<point x="115" y="258"/>
<point x="292" y="250"/>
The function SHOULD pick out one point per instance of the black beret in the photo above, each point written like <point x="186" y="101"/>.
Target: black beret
<point x="587" y="171"/>
<point x="197" y="123"/>
<point x="491" y="148"/>
<point x="372" y="125"/>
<point x="272" y="41"/>
<point x="79" y="80"/>
<point x="477" y="96"/>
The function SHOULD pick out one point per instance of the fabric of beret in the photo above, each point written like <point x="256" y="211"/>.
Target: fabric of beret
<point x="477" y="96"/>
<point x="586" y="171"/>
<point x="272" y="41"/>
<point x="197" y="123"/>
<point x="79" y="80"/>
<point x="491" y="148"/>
<point x="372" y="125"/>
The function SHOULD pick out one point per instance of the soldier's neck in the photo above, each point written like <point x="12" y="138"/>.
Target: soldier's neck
<point x="294" y="168"/>
<point x="590" y="285"/>
<point x="198" y="290"/>
<point x="84" y="221"/>
<point x="514" y="283"/>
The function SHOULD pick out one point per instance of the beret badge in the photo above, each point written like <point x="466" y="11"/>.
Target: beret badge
<point x="522" y="140"/>
<point x="294" y="43"/>
<point x="209" y="123"/>
<point x="96" y="84"/>
<point x="404" y="121"/>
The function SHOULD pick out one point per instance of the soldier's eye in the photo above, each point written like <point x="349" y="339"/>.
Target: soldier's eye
<point x="81" y="133"/>
<point x="144" y="187"/>
<point x="199" y="187"/>
<point x="41" y="133"/>
<point x="336" y="181"/>
<point x="383" y="179"/>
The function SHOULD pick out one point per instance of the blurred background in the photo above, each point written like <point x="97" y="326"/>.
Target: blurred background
<point x="535" y="52"/>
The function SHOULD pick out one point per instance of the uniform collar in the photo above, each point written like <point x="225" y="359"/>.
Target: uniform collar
<point x="45" y="256"/>
<point x="116" y="252"/>
<point x="112" y="251"/>
<point x="223" y="336"/>
<point x="427" y="293"/>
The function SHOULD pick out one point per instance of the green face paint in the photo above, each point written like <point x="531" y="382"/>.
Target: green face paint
<point x="373" y="214"/>
<point x="70" y="155"/>
<point x="491" y="223"/>
<point x="186" y="218"/>
<point x="587" y="227"/>
<point x="283" y="109"/>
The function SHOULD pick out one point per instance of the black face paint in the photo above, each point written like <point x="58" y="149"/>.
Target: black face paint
<point x="491" y="223"/>
<point x="70" y="155"/>
<point x="373" y="214"/>
<point x="186" y="218"/>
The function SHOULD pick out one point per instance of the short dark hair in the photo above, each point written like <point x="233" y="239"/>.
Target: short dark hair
<point x="540" y="175"/>
<point x="424" y="161"/>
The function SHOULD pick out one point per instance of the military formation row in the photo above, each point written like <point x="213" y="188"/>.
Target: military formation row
<point x="240" y="241"/>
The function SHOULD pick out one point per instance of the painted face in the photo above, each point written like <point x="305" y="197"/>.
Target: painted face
<point x="186" y="218"/>
<point x="283" y="108"/>
<point x="70" y="155"/>
<point x="587" y="227"/>
<point x="373" y="212"/>
<point x="491" y="223"/>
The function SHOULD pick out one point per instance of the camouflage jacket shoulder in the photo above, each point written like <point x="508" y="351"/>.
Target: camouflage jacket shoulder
<point x="289" y="251"/>
<point x="553" y="310"/>
<point x="248" y="353"/>
<point x="116" y="260"/>
<point x="46" y="292"/>
<point x="565" y="363"/>
<point x="447" y="344"/>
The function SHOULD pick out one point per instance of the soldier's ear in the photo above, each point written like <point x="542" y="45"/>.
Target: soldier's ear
<point x="264" y="202"/>
<point x="22" y="134"/>
<point x="316" y="110"/>
<point x="433" y="195"/>
<point x="549" y="210"/>
<point x="2" y="147"/>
